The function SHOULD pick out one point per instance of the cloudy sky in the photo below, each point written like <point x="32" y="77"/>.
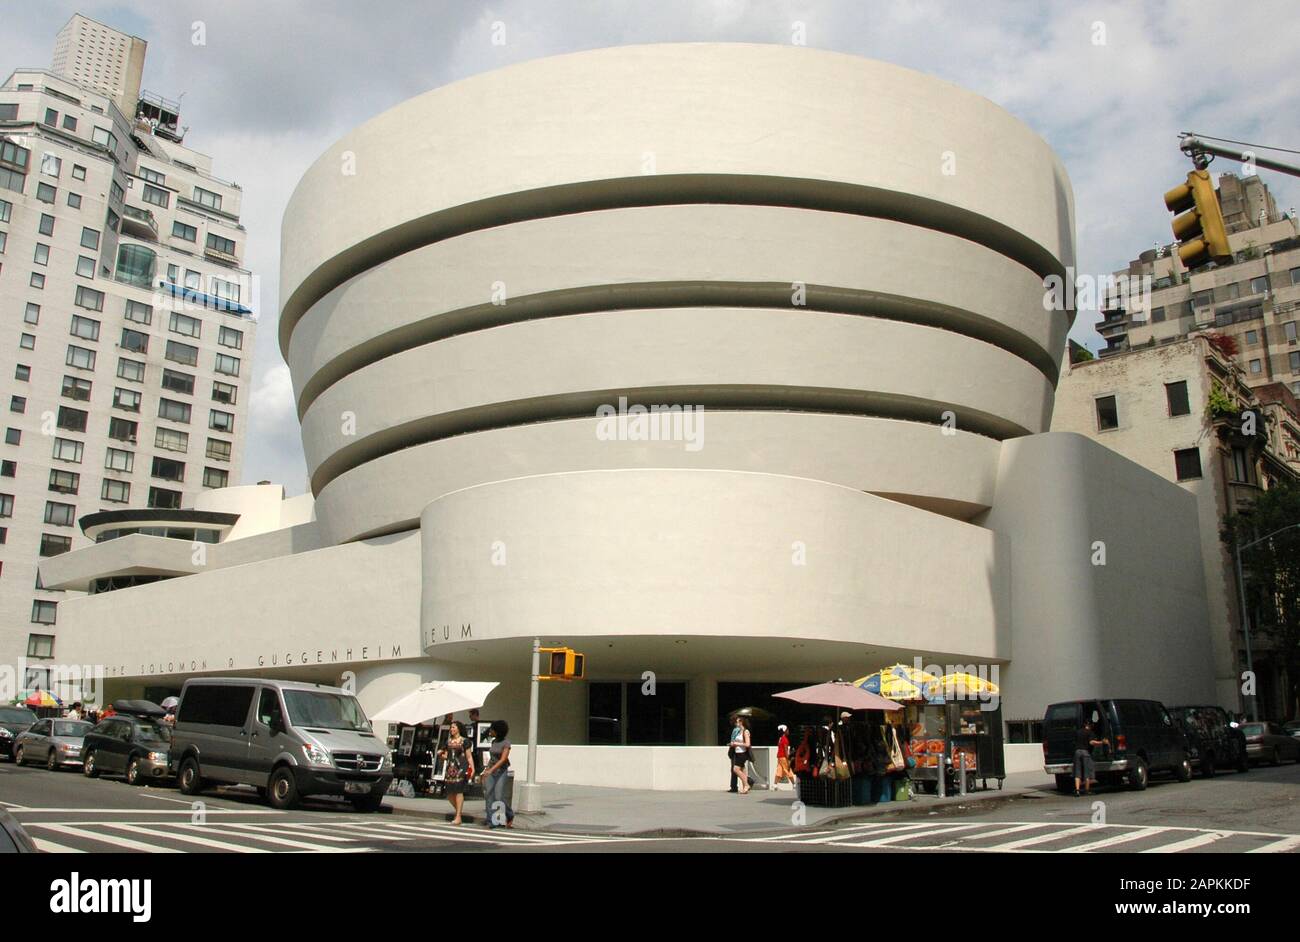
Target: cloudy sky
<point x="279" y="80"/>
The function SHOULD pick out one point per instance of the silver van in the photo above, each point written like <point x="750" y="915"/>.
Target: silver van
<point x="287" y="739"/>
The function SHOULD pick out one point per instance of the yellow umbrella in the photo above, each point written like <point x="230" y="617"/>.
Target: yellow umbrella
<point x="967" y="684"/>
<point x="899" y="682"/>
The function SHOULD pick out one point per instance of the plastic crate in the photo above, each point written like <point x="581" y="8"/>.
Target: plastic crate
<point x="826" y="792"/>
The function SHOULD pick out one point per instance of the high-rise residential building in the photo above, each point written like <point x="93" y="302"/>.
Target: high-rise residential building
<point x="101" y="59"/>
<point x="1255" y="299"/>
<point x="126" y="331"/>
<point x="1180" y="408"/>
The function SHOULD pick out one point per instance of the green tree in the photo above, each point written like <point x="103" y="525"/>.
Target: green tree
<point x="1272" y="575"/>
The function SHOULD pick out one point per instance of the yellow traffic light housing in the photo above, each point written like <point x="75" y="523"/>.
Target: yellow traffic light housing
<point x="562" y="664"/>
<point x="1200" y="231"/>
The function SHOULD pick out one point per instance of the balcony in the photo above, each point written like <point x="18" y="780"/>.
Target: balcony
<point x="139" y="223"/>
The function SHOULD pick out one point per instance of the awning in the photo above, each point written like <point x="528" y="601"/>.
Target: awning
<point x="436" y="699"/>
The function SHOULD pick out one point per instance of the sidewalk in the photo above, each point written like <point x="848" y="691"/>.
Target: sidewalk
<point x="589" y="809"/>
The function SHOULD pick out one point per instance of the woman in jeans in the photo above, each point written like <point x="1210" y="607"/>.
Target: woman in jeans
<point x="459" y="755"/>
<point x="494" y="778"/>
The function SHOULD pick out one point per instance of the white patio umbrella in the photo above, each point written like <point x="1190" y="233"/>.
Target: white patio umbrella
<point x="436" y="699"/>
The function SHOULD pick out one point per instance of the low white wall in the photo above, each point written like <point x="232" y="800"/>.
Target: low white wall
<point x="1023" y="757"/>
<point x="662" y="768"/>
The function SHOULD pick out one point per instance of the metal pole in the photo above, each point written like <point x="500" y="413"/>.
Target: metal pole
<point x="529" y="800"/>
<point x="1245" y="628"/>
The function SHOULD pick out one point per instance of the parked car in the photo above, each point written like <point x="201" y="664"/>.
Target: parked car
<point x="133" y="743"/>
<point x="13" y="839"/>
<point x="13" y="720"/>
<point x="57" y="743"/>
<point x="1292" y="728"/>
<point x="1214" y="742"/>
<point x="287" y="739"/>
<point x="1143" y="740"/>
<point x="1266" y="742"/>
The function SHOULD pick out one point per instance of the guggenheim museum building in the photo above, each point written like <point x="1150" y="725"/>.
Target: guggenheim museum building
<point x="726" y="365"/>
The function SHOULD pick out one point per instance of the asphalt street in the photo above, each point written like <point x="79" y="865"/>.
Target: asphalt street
<point x="1258" y="812"/>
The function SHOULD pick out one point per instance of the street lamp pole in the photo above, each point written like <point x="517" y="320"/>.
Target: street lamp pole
<point x="1245" y="614"/>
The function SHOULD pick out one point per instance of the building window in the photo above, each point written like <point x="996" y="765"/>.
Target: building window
<point x="85" y="266"/>
<point x="139" y="312"/>
<point x="89" y="298"/>
<point x="67" y="449"/>
<point x="32" y="314"/>
<point x="162" y="498"/>
<point x="1108" y="413"/>
<point x="1289" y="328"/>
<point x="153" y="176"/>
<point x="136" y="265"/>
<point x="78" y="172"/>
<point x="27" y="341"/>
<point x="37" y="281"/>
<point x="132" y="370"/>
<point x="182" y="353"/>
<point x="168" y="470"/>
<point x="104" y="138"/>
<point x="74" y="387"/>
<point x="134" y="341"/>
<point x="1241" y="468"/>
<point x="207" y="198"/>
<point x="72" y="420"/>
<point x="1187" y="464"/>
<point x="156" y="196"/>
<point x="178" y="382"/>
<point x="215" y="477"/>
<point x="12" y="179"/>
<point x="52" y="120"/>
<point x="59" y="515"/>
<point x="74" y="201"/>
<point x="86" y="328"/>
<point x="181" y="231"/>
<point x="18" y="404"/>
<point x="69" y="123"/>
<point x="193" y="280"/>
<point x="89" y="238"/>
<point x="40" y="645"/>
<point x="224" y="392"/>
<point x="117" y="491"/>
<point x="6" y="210"/>
<point x="80" y="357"/>
<point x="1157" y="315"/>
<point x="127" y="400"/>
<point x="42" y="254"/>
<point x="1295" y="276"/>
<point x="122" y="430"/>
<point x="1259" y="285"/>
<point x="52" y="545"/>
<point x="229" y="337"/>
<point x="221" y="421"/>
<point x="43" y="612"/>
<point x="13" y="436"/>
<point x="227" y="364"/>
<point x="174" y="411"/>
<point x="46" y="225"/>
<point x="22" y="372"/>
<point x="46" y="193"/>
<point x="186" y="325"/>
<point x="1295" y="362"/>
<point x="171" y="439"/>
<point x="226" y="290"/>
<point x="220" y="244"/>
<point x="1252" y="336"/>
<point x="218" y="450"/>
<point x="1256" y="367"/>
<point x="6" y="507"/>
<point x="117" y="460"/>
<point x="64" y="482"/>
<point x="8" y="468"/>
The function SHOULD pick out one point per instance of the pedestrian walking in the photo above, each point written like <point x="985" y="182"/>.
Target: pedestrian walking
<point x="783" y="770"/>
<point x="496" y="804"/>
<point x="1085" y="771"/>
<point x="739" y="753"/>
<point x="459" y="756"/>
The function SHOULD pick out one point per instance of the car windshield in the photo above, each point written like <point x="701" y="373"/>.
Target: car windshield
<point x="13" y="715"/>
<point x="324" y="710"/>
<point x="1253" y="729"/>
<point x="149" y="731"/>
<point x="74" y="729"/>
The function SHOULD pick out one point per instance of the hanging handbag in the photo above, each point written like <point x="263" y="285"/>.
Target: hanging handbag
<point x="803" y="755"/>
<point x="841" y="767"/>
<point x="896" y="761"/>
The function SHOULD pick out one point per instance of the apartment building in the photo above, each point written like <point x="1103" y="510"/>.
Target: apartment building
<point x="1178" y="408"/>
<point x="1255" y="300"/>
<point x="126" y="331"/>
<point x="101" y="59"/>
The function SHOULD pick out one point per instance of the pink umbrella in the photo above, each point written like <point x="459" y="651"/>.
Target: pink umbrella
<point x="840" y="694"/>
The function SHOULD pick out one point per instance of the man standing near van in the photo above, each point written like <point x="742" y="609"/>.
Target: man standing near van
<point x="1085" y="771"/>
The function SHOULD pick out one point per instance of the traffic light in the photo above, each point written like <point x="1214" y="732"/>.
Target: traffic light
<point x="1200" y="231"/>
<point x="562" y="664"/>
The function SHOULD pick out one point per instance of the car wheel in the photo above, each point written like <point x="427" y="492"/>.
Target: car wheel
<point x="282" y="789"/>
<point x="189" y="781"/>
<point x="1183" y="771"/>
<point x="18" y="756"/>
<point x="133" y="771"/>
<point x="1065" y="784"/>
<point x="1140" y="775"/>
<point x="52" y="761"/>
<point x="89" y="767"/>
<point x="1277" y="759"/>
<point x="369" y="803"/>
<point x="1207" y="765"/>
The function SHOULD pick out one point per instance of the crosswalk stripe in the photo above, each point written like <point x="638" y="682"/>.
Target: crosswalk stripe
<point x="53" y="847"/>
<point x="1044" y="838"/>
<point x="1123" y="837"/>
<point x="1277" y="847"/>
<point x="201" y="841"/>
<point x="291" y="830"/>
<point x="840" y="837"/>
<point x="225" y="831"/>
<point x="930" y="832"/>
<point x="998" y="832"/>
<point x="451" y="833"/>
<point x="1199" y="840"/>
<point x="360" y="831"/>
<point x="124" y="842"/>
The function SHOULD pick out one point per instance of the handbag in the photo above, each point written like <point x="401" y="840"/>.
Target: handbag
<point x="896" y="763"/>
<point x="803" y="755"/>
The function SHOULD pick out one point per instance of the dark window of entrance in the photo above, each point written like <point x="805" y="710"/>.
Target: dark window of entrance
<point x="604" y="714"/>
<point x="658" y="720"/>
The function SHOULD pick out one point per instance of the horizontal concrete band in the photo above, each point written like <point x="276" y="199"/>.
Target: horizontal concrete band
<point x="691" y="557"/>
<point x="661" y="295"/>
<point x="911" y="462"/>
<point x="659" y="190"/>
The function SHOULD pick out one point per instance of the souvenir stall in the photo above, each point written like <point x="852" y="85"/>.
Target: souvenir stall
<point x="419" y="726"/>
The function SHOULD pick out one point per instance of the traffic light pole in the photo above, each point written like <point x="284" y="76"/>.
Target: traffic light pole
<point x="529" y="799"/>
<point x="1195" y="145"/>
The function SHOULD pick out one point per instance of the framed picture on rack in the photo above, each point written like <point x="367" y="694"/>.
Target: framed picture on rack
<point x="408" y="740"/>
<point x="483" y="735"/>
<point x="439" y="757"/>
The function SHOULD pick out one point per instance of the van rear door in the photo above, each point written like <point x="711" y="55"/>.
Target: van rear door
<point x="1060" y="724"/>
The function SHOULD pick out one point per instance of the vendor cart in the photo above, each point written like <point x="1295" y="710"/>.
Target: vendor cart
<point x="956" y="738"/>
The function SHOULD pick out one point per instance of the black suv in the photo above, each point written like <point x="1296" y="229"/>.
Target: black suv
<point x="13" y="720"/>
<point x="1212" y="741"/>
<point x="1143" y="740"/>
<point x="133" y="743"/>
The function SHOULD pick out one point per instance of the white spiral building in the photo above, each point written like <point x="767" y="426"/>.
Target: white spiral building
<point x="840" y="261"/>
